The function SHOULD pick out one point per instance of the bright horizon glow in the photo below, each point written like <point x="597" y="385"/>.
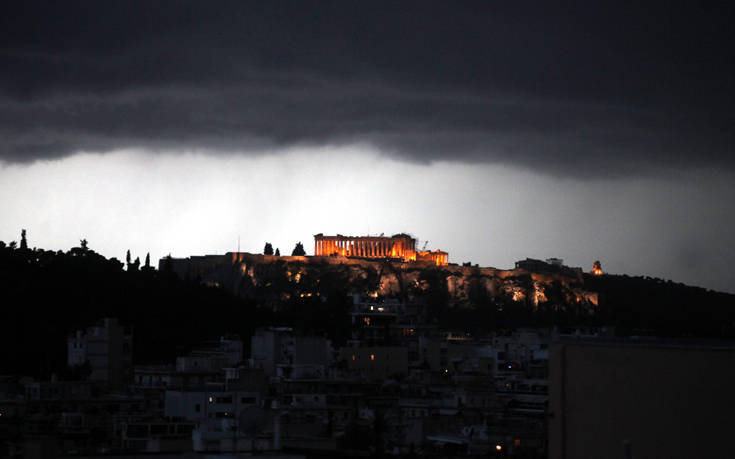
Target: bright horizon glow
<point x="200" y="203"/>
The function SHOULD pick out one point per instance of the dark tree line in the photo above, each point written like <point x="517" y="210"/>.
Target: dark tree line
<point x="297" y="251"/>
<point x="47" y="295"/>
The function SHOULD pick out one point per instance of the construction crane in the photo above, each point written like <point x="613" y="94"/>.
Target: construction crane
<point x="424" y="247"/>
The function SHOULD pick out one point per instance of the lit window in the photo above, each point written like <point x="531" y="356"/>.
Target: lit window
<point x="372" y="356"/>
<point x="354" y="357"/>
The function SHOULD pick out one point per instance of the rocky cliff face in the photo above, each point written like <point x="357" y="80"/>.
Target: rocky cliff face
<point x="272" y="278"/>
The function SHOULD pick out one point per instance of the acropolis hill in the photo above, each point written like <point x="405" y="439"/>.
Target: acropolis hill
<point x="269" y="277"/>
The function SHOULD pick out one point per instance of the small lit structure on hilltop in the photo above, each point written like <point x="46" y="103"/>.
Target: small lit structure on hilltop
<point x="597" y="268"/>
<point x="401" y="246"/>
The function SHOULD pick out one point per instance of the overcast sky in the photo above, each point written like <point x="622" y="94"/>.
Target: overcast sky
<point x="494" y="132"/>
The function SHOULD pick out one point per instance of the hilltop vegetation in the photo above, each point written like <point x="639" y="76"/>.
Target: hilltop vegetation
<point x="645" y="305"/>
<point x="46" y="295"/>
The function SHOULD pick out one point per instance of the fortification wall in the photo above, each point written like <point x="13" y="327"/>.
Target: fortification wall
<point x="244" y="273"/>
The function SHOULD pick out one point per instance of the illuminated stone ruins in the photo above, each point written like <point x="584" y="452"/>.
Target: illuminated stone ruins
<point x="400" y="246"/>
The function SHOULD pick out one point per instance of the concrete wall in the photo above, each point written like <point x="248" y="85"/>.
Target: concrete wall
<point x="665" y="401"/>
<point x="311" y="350"/>
<point x="265" y="350"/>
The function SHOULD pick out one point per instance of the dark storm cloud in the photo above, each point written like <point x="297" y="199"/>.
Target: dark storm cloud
<point x="570" y="91"/>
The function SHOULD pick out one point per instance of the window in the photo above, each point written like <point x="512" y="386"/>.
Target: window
<point x="250" y="400"/>
<point x="197" y="408"/>
<point x="224" y="399"/>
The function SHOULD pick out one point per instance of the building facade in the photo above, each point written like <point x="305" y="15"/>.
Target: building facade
<point x="628" y="398"/>
<point x="400" y="246"/>
<point x="107" y="348"/>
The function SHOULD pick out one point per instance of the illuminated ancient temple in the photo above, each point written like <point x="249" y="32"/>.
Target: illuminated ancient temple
<point x="399" y="246"/>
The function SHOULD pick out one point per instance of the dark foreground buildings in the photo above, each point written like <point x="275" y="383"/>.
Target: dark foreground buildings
<point x="400" y="386"/>
<point x="641" y="399"/>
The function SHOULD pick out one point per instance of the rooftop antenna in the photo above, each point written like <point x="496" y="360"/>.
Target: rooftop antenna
<point x="238" y="243"/>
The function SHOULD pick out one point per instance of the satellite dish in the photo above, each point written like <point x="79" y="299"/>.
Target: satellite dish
<point x="253" y="420"/>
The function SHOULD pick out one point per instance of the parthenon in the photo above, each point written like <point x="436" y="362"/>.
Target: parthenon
<point x="401" y="246"/>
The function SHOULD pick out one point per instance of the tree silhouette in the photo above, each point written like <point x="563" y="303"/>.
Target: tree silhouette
<point x="127" y="260"/>
<point x="278" y="252"/>
<point x="83" y="245"/>
<point x="148" y="260"/>
<point x="298" y="250"/>
<point x="136" y="264"/>
<point x="23" y="242"/>
<point x="268" y="249"/>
